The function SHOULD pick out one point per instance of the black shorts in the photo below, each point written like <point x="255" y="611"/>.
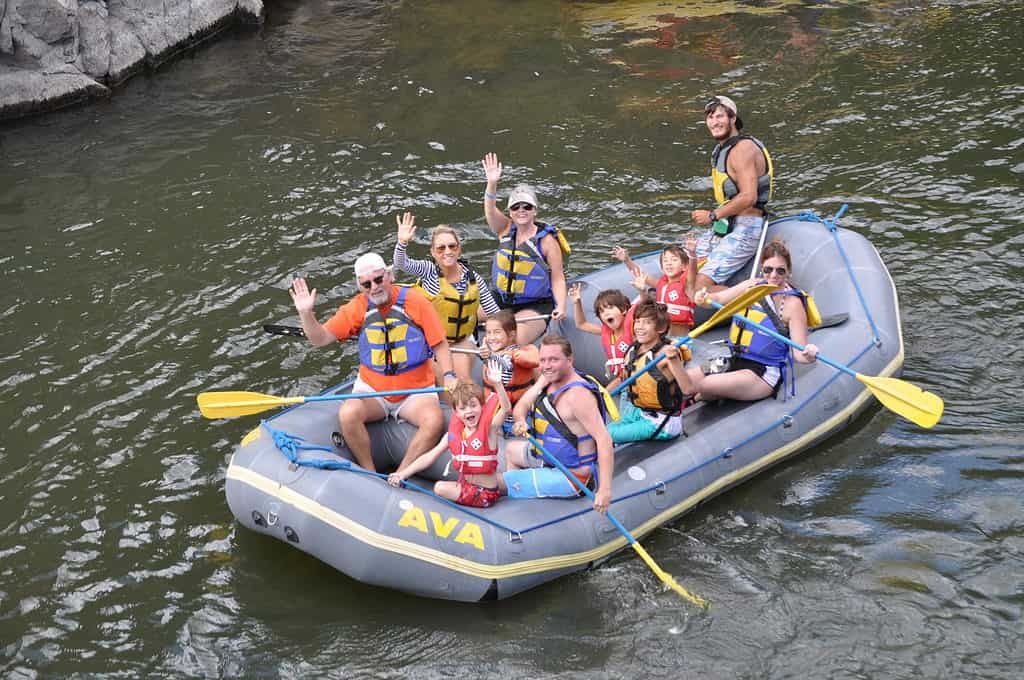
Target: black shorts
<point x="540" y="306"/>
<point x="757" y="368"/>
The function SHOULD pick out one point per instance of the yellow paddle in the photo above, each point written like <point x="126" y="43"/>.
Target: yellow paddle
<point x="232" y="404"/>
<point x="665" y="577"/>
<point x="724" y="312"/>
<point x="906" y="399"/>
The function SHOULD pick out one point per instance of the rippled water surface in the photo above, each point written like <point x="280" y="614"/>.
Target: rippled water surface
<point x="146" y="239"/>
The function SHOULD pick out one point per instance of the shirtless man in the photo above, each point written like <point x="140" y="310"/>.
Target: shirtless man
<point x="575" y="433"/>
<point x="741" y="172"/>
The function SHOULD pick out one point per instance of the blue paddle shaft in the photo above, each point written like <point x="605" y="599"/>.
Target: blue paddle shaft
<point x="782" y="338"/>
<point x="385" y="393"/>
<point x="590" y="494"/>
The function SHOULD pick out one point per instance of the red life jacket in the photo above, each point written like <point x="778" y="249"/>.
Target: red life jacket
<point x="473" y="455"/>
<point x="615" y="348"/>
<point x="673" y="295"/>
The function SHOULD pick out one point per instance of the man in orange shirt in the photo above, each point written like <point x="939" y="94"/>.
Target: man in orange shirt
<point x="399" y="331"/>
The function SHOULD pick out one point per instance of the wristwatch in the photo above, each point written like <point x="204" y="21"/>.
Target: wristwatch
<point x="450" y="373"/>
<point x="712" y="216"/>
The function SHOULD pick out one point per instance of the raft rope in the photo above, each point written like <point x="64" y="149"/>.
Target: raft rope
<point x="830" y="224"/>
<point x="291" y="444"/>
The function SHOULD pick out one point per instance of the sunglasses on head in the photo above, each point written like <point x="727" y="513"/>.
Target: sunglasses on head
<point x="376" y="280"/>
<point x="521" y="206"/>
<point x="441" y="247"/>
<point x="712" y="104"/>
<point x="781" y="271"/>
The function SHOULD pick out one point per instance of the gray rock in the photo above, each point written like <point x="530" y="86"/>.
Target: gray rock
<point x="59" y="52"/>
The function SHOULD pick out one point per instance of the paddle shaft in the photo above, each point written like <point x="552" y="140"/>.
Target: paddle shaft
<point x="337" y="397"/>
<point x="297" y="332"/>
<point x="792" y="343"/>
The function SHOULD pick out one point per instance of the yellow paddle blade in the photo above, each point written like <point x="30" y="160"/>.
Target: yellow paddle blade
<point x="667" y="579"/>
<point x="734" y="307"/>
<point x="906" y="399"/>
<point x="232" y="404"/>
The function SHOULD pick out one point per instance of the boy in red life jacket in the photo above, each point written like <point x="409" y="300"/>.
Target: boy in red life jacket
<point x="473" y="438"/>
<point x="615" y="313"/>
<point x="674" y="288"/>
<point x="518" y="364"/>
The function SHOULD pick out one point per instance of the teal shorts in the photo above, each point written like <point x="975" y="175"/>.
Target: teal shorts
<point x="635" y="426"/>
<point x="545" y="482"/>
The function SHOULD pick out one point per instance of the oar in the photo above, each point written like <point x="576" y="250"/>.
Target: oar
<point x="464" y="350"/>
<point x="739" y="304"/>
<point x="906" y="399"/>
<point x="231" y="404"/>
<point x="665" y="577"/>
<point x="279" y="329"/>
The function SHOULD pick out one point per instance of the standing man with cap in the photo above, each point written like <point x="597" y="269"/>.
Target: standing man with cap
<point x="399" y="332"/>
<point x="741" y="173"/>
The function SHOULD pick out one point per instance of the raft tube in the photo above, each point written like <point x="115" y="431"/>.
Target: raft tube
<point x="413" y="541"/>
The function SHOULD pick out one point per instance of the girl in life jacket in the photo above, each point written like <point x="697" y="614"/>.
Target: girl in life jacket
<point x="654" y="402"/>
<point x="518" y="363"/>
<point x="615" y="313"/>
<point x="675" y="286"/>
<point x="473" y="439"/>
<point x="528" y="270"/>
<point x="760" y="363"/>
<point x="459" y="294"/>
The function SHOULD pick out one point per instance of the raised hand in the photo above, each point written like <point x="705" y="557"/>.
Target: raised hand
<point x="639" y="279"/>
<point x="302" y="296"/>
<point x="406" y="227"/>
<point x="620" y="254"/>
<point x="493" y="371"/>
<point x="576" y="292"/>
<point x="690" y="245"/>
<point x="492" y="168"/>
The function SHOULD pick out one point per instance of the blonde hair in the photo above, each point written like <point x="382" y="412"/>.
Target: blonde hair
<point x="443" y="229"/>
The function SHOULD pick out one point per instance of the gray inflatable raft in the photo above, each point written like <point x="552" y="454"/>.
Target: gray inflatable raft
<point x="413" y="541"/>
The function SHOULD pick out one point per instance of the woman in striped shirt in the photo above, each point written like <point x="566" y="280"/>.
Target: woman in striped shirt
<point x="457" y="292"/>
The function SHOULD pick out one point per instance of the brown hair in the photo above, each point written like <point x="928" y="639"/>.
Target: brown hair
<point x="507" y="319"/>
<point x="465" y="391"/>
<point x="443" y="229"/>
<point x="653" y="310"/>
<point x="560" y="341"/>
<point x="776" y="248"/>
<point x="678" y="252"/>
<point x="613" y="297"/>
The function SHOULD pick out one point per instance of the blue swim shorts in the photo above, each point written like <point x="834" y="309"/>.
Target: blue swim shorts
<point x="543" y="482"/>
<point x="727" y="255"/>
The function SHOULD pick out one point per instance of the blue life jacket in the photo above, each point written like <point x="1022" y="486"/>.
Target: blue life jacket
<point x="521" y="274"/>
<point x="748" y="342"/>
<point x="555" y="435"/>
<point x="394" y="344"/>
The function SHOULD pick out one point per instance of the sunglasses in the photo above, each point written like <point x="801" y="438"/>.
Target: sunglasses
<point x="521" y="206"/>
<point x="712" y="104"/>
<point x="376" y="280"/>
<point x="441" y="247"/>
<point x="781" y="271"/>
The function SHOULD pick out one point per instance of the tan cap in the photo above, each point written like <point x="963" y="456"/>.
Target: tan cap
<point x="523" y="193"/>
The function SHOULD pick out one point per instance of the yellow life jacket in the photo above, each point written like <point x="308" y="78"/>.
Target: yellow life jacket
<point x="724" y="185"/>
<point x="653" y="390"/>
<point x="456" y="311"/>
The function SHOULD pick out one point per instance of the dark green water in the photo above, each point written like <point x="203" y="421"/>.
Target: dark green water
<point x="144" y="240"/>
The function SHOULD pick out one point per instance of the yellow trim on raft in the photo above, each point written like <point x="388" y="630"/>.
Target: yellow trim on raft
<point x="490" y="571"/>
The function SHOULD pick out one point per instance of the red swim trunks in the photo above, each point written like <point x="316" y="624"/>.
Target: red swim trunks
<point x="476" y="496"/>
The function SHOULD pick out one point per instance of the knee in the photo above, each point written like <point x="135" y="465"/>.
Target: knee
<point x="350" y="414"/>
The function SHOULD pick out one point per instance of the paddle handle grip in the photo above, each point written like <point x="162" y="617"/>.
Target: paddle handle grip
<point x="464" y="350"/>
<point x="362" y="395"/>
<point x="792" y="343"/>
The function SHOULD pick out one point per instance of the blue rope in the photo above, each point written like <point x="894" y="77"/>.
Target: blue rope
<point x="830" y="224"/>
<point x="289" y="444"/>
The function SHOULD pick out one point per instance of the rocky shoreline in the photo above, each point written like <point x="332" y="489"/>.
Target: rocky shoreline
<point x="55" y="53"/>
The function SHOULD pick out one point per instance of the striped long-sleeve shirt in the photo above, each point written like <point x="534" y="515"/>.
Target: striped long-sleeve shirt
<point x="428" y="274"/>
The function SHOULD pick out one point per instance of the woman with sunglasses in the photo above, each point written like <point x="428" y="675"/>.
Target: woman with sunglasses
<point x="527" y="273"/>
<point x="459" y="294"/>
<point x="760" y="363"/>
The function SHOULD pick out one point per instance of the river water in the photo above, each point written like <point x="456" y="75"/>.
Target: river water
<point x="147" y="238"/>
